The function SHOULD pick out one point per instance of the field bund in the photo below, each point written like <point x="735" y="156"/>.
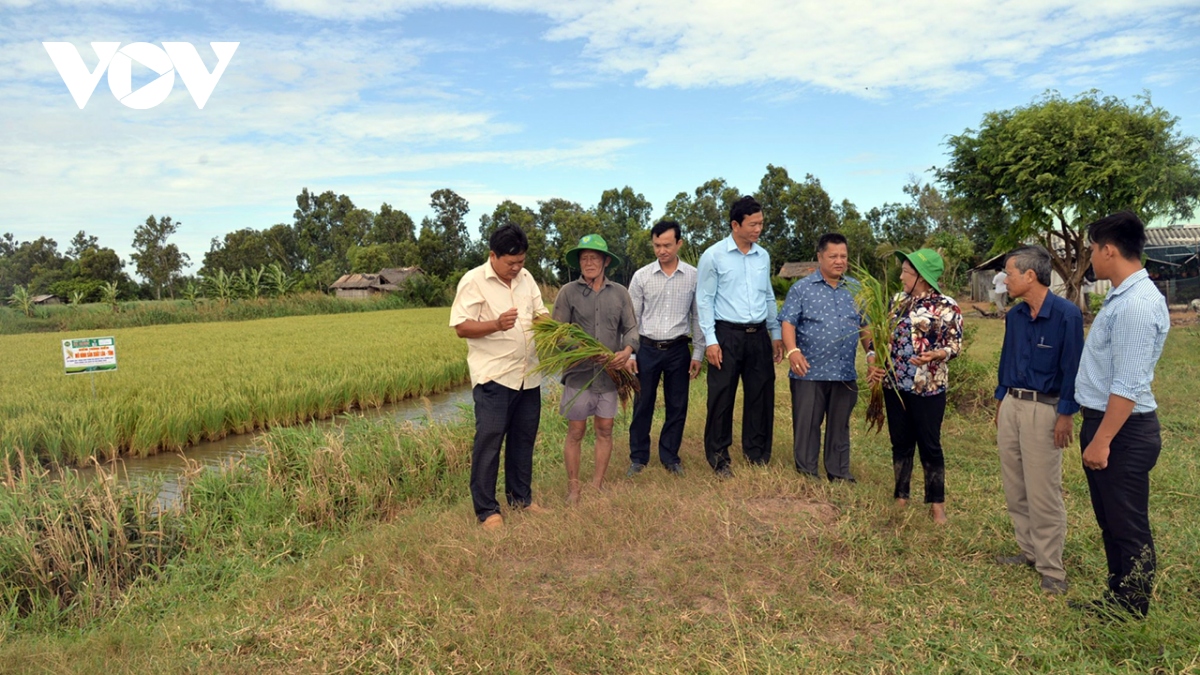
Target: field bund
<point x="179" y="384"/>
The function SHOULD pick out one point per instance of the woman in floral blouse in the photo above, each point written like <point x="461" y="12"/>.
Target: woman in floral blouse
<point x="927" y="334"/>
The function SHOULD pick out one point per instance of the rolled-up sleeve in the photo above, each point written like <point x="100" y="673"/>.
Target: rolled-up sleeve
<point x="629" y="322"/>
<point x="1072" y="350"/>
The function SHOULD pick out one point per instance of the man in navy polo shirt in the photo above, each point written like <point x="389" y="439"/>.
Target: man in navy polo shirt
<point x="821" y="324"/>
<point x="1043" y="338"/>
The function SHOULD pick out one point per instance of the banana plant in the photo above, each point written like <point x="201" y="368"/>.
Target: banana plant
<point x="22" y="300"/>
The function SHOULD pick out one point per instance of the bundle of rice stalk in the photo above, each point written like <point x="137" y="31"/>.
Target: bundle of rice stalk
<point x="562" y="346"/>
<point x="874" y="299"/>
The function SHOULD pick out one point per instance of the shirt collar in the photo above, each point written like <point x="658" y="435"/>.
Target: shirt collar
<point x="658" y="267"/>
<point x="583" y="282"/>
<point x="1046" y="312"/>
<point x="817" y="277"/>
<point x="490" y="273"/>
<point x="1130" y="281"/>
<point x="731" y="246"/>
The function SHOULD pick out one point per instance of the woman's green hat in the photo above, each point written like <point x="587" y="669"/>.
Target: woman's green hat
<point x="591" y="242"/>
<point x="927" y="262"/>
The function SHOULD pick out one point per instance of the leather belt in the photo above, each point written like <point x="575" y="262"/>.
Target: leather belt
<point x="1031" y="395"/>
<point x="663" y="344"/>
<point x="745" y="327"/>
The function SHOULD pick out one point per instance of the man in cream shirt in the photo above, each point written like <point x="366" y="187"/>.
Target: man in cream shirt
<point x="494" y="310"/>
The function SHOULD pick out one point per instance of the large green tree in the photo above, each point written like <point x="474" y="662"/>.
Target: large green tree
<point x="444" y="244"/>
<point x="704" y="214"/>
<point x="391" y="226"/>
<point x="326" y="226"/>
<point x="1045" y="170"/>
<point x="156" y="261"/>
<point x="795" y="215"/>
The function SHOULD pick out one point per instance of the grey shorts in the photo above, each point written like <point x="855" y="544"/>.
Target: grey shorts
<point x="587" y="404"/>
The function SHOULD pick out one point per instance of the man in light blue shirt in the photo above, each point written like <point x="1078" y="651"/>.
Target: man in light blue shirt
<point x="738" y="316"/>
<point x="1120" y="436"/>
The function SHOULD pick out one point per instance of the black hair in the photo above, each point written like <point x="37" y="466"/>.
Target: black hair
<point x="662" y="226"/>
<point x="1123" y="230"/>
<point x="746" y="206"/>
<point x="831" y="238"/>
<point x="1035" y="258"/>
<point x="508" y="240"/>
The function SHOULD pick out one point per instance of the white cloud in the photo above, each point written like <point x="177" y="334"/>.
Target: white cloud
<point x="349" y="110"/>
<point x="861" y="47"/>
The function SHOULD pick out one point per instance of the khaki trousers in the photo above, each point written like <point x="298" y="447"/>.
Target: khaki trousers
<point x="1031" y="468"/>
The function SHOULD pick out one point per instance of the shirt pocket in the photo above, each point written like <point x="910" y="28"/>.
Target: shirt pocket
<point x="1045" y="359"/>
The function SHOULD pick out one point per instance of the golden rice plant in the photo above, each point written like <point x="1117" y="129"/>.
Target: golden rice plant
<point x="563" y="346"/>
<point x="874" y="299"/>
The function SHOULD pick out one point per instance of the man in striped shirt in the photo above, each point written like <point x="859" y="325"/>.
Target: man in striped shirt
<point x="664" y="302"/>
<point x="1120" y="435"/>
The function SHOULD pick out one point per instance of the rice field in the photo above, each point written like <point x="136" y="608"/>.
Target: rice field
<point x="179" y="384"/>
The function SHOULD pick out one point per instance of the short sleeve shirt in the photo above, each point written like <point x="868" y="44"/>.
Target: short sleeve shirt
<point x="505" y="357"/>
<point x="827" y="322"/>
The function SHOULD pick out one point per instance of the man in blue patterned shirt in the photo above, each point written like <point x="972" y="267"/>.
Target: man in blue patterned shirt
<point x="1120" y="436"/>
<point x="821" y="324"/>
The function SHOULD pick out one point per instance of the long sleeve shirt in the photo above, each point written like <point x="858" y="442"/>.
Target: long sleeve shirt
<point x="735" y="287"/>
<point x="1042" y="353"/>
<point x="606" y="315"/>
<point x="1124" y="345"/>
<point x="665" y="306"/>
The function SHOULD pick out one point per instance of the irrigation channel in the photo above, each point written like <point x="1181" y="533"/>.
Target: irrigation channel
<point x="166" y="467"/>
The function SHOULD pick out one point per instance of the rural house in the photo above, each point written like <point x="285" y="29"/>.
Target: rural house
<point x="361" y="286"/>
<point x="797" y="270"/>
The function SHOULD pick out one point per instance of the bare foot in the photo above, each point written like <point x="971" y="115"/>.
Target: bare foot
<point x="901" y="502"/>
<point x="938" y="511"/>
<point x="572" y="492"/>
<point x="598" y="486"/>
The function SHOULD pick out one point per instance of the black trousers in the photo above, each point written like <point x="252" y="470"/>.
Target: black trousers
<point x="671" y="366"/>
<point x="915" y="422"/>
<point x="509" y="416"/>
<point x="814" y="403"/>
<point x="747" y="357"/>
<point x="1121" y="501"/>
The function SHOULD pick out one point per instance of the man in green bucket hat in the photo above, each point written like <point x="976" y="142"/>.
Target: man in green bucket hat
<point x="927" y="333"/>
<point x="604" y="309"/>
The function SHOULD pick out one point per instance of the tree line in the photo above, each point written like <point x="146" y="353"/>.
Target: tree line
<point x="1038" y="172"/>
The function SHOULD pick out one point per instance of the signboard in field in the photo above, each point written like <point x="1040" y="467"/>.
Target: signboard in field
<point x="89" y="355"/>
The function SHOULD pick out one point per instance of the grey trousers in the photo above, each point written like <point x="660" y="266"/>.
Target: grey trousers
<point x="812" y="404"/>
<point x="1031" y="469"/>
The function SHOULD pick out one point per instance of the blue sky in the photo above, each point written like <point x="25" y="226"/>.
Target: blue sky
<point x="389" y="100"/>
